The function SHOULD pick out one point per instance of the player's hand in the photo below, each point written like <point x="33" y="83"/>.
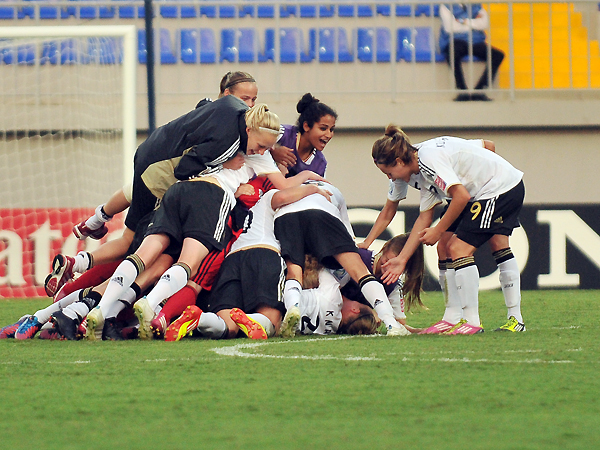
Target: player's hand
<point x="392" y="270"/>
<point x="283" y="155"/>
<point x="429" y="236"/>
<point x="363" y="245"/>
<point x="244" y="189"/>
<point x="235" y="163"/>
<point x="325" y="193"/>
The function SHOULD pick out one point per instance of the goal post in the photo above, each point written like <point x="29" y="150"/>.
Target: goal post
<point x="67" y="140"/>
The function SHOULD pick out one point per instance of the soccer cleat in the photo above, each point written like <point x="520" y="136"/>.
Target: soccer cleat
<point x="9" y="330"/>
<point x="95" y="324"/>
<point x="440" y="327"/>
<point x="251" y="328"/>
<point x="51" y="334"/>
<point x="111" y="331"/>
<point x="185" y="324"/>
<point x="400" y="330"/>
<point x="289" y="324"/>
<point x="28" y="328"/>
<point x="512" y="325"/>
<point x="159" y="326"/>
<point x="62" y="271"/>
<point x="464" y="328"/>
<point x="82" y="231"/>
<point x="65" y="325"/>
<point x="145" y="316"/>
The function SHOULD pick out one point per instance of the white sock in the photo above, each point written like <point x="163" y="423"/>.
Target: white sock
<point x="467" y="285"/>
<point x="43" y="315"/>
<point x="126" y="300"/>
<point x="264" y="321"/>
<point x="77" y="311"/>
<point x="212" y="326"/>
<point x="454" y="311"/>
<point x="172" y="281"/>
<point x="291" y="293"/>
<point x="375" y="294"/>
<point x="510" y="280"/>
<point x="82" y="262"/>
<point x="98" y="219"/>
<point x="118" y="285"/>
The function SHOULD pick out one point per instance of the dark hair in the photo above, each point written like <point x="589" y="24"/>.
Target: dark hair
<point x="230" y="79"/>
<point x="414" y="271"/>
<point x="311" y="110"/>
<point x="393" y="144"/>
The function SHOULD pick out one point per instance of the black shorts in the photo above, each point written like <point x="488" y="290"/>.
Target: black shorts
<point x="142" y="202"/>
<point x="452" y="228"/>
<point x="314" y="232"/>
<point x="193" y="209"/>
<point x="249" y="279"/>
<point x="484" y="218"/>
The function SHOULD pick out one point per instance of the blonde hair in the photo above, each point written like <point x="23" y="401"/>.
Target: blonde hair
<point x="364" y="323"/>
<point x="310" y="276"/>
<point x="394" y="144"/>
<point x="259" y="118"/>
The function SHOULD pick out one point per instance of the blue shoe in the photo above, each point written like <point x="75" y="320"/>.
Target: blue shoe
<point x="28" y="329"/>
<point x="9" y="330"/>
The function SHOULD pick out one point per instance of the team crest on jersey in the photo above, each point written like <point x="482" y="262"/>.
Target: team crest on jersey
<point x="440" y="183"/>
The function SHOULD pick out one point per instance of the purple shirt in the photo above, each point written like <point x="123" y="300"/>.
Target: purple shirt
<point x="288" y="139"/>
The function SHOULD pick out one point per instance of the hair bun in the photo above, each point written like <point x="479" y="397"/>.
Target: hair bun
<point x="306" y="100"/>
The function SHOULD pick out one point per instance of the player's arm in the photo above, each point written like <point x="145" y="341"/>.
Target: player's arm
<point x="384" y="218"/>
<point x="394" y="267"/>
<point x="280" y="182"/>
<point x="283" y="155"/>
<point x="291" y="195"/>
<point x="460" y="197"/>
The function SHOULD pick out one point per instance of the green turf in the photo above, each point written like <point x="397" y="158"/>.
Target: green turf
<point x="533" y="390"/>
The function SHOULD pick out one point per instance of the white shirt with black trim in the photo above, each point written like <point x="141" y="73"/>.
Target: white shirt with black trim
<point x="321" y="308"/>
<point x="258" y="228"/>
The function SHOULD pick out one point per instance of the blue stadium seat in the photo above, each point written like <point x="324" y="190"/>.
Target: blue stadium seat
<point x="289" y="44"/>
<point x="208" y="11"/>
<point x="6" y="55"/>
<point x="246" y="45"/>
<point x="226" y="12"/>
<point x="188" y="43"/>
<point x="265" y="11"/>
<point x="327" y="50"/>
<point x="188" y="12"/>
<point x="349" y="11"/>
<point x="346" y="10"/>
<point x="364" y="44"/>
<point x="246" y="10"/>
<point x="383" y="10"/>
<point x="103" y="50"/>
<point x="26" y="11"/>
<point x="168" y="11"/>
<point x="26" y="54"/>
<point x="228" y="48"/>
<point x="7" y="13"/>
<point x="208" y="46"/>
<point x="427" y="10"/>
<point x="308" y="11"/>
<point x="326" y="11"/>
<point x="403" y="10"/>
<point x="68" y="52"/>
<point x="384" y="44"/>
<point x="50" y="53"/>
<point x="167" y="56"/>
<point x="287" y="11"/>
<point x="311" y="53"/>
<point x="365" y="11"/>
<point x="48" y="12"/>
<point x="419" y="39"/>
<point x="268" y="54"/>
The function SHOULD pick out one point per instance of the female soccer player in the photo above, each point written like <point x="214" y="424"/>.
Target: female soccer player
<point x="488" y="189"/>
<point x="300" y="147"/>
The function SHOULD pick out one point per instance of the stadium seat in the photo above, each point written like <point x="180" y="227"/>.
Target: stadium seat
<point x="68" y="52"/>
<point x="327" y="47"/>
<point x="246" y="10"/>
<point x="346" y="10"/>
<point x="168" y="11"/>
<point x="188" y="12"/>
<point x="268" y="54"/>
<point x="365" y="11"/>
<point x="188" y="43"/>
<point x="384" y="44"/>
<point x="308" y="11"/>
<point x="421" y="41"/>
<point x="350" y="11"/>
<point x="311" y="53"/>
<point x="208" y="46"/>
<point x="167" y="56"/>
<point x="104" y="50"/>
<point x="265" y="11"/>
<point x="26" y="11"/>
<point x="364" y="44"/>
<point x="7" y="13"/>
<point x="246" y="45"/>
<point x="326" y="11"/>
<point x="383" y="10"/>
<point x="289" y="44"/>
<point x="226" y="12"/>
<point x="286" y="11"/>
<point x="208" y="11"/>
<point x="50" y="53"/>
<point x="228" y="47"/>
<point x="6" y="55"/>
<point x="26" y="54"/>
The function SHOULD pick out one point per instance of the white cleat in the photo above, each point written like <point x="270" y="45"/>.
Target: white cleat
<point x="397" y="330"/>
<point x="95" y="325"/>
<point x="289" y="324"/>
<point x="145" y="315"/>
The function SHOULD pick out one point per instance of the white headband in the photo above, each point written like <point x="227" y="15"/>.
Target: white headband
<point x="268" y="130"/>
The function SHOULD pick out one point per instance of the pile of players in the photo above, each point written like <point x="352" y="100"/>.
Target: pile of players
<point x="233" y="230"/>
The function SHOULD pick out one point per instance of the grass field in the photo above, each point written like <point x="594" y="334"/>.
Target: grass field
<point x="533" y="390"/>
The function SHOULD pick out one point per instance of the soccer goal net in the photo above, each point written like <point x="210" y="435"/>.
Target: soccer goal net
<point x="67" y="138"/>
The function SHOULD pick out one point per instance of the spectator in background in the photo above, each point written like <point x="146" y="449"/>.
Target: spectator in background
<point x="463" y="26"/>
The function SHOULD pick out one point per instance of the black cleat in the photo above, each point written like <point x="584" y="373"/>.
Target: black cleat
<point x="65" y="325"/>
<point x="112" y="331"/>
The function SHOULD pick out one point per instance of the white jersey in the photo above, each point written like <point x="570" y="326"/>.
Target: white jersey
<point x="230" y="179"/>
<point x="321" y="308"/>
<point x="447" y="161"/>
<point x="258" y="227"/>
<point x="336" y="207"/>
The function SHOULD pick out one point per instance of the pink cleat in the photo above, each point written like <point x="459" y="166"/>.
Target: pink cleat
<point x="441" y="327"/>
<point x="184" y="325"/>
<point x="251" y="328"/>
<point x="159" y="326"/>
<point x="465" y="328"/>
